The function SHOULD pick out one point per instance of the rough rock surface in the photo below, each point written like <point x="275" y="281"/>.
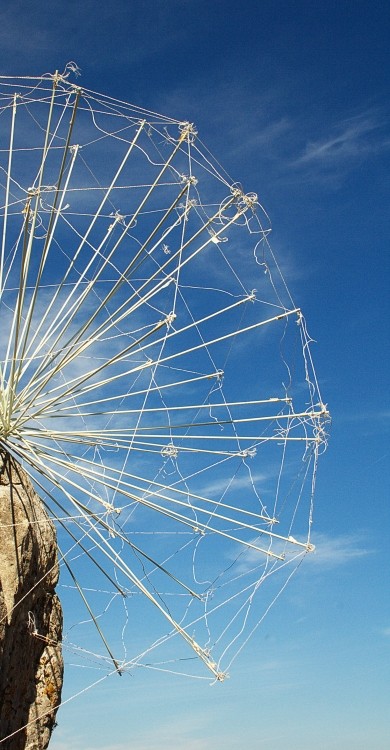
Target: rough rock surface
<point x="31" y="665"/>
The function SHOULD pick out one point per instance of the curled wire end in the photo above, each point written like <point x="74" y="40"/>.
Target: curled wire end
<point x="71" y="67"/>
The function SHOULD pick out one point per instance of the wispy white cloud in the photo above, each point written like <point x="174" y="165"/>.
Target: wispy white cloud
<point x="351" y="139"/>
<point x="333" y="551"/>
<point x="218" y="486"/>
<point x="270" y="138"/>
<point x="330" y="552"/>
<point x="275" y="136"/>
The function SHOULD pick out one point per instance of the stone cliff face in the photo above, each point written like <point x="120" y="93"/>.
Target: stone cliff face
<point x="31" y="666"/>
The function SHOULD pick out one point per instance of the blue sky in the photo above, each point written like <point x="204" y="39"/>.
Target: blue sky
<point x="293" y="100"/>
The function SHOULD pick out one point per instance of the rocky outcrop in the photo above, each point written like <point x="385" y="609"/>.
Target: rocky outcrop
<point x="31" y="665"/>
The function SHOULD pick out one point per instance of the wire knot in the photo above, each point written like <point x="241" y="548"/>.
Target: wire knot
<point x="188" y="132"/>
<point x="247" y="453"/>
<point x="169" y="451"/>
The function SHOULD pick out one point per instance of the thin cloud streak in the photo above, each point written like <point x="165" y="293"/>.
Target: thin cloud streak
<point x="330" y="552"/>
<point x="349" y="140"/>
<point x="334" y="551"/>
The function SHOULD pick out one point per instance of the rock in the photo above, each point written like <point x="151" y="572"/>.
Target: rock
<point x="31" y="665"/>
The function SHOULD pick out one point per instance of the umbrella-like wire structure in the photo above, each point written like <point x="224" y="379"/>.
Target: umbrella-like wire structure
<point x="156" y="380"/>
